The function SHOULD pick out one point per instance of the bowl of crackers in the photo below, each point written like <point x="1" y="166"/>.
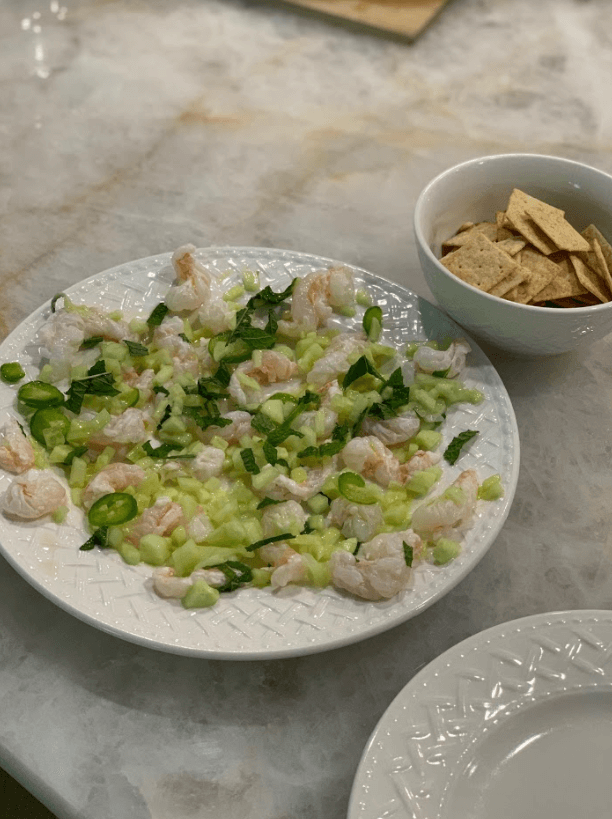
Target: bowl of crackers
<point x="517" y="248"/>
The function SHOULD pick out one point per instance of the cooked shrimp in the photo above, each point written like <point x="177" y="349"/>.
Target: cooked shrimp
<point x="198" y="290"/>
<point x="113" y="478"/>
<point x="284" y="488"/>
<point x="292" y="570"/>
<point x="208" y="463"/>
<point x="283" y="517"/>
<point x="160" y="519"/>
<point x="370" y="457"/>
<point x="392" y="430"/>
<point x="184" y="356"/>
<point x="355" y="520"/>
<point x="436" y="518"/>
<point x="199" y="527"/>
<point x="65" y="330"/>
<point x="380" y="570"/>
<point x="428" y="360"/>
<point x="232" y="433"/>
<point x="142" y="381"/>
<point x="167" y="584"/>
<point x="16" y="452"/>
<point x="128" y="428"/>
<point x="314" y="298"/>
<point x="419" y="461"/>
<point x="33" y="494"/>
<point x="343" y="349"/>
<point x="274" y="368"/>
<point x="323" y="421"/>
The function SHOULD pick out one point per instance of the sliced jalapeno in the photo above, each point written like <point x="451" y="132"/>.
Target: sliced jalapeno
<point x="49" y="423"/>
<point x="113" y="510"/>
<point x="38" y="394"/>
<point x="372" y="323"/>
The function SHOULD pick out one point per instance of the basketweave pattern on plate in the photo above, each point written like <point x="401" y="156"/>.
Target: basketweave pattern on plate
<point x="100" y="589"/>
<point x="426" y="738"/>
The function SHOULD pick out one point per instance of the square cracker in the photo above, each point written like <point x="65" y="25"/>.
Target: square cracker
<point x="589" y="278"/>
<point x="510" y="282"/>
<point x="511" y="245"/>
<point x="480" y="263"/>
<point x="463" y="236"/>
<point x="521" y="220"/>
<point x="565" y="285"/>
<point x="600" y="256"/>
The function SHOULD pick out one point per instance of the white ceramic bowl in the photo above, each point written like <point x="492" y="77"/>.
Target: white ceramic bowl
<point x="473" y="191"/>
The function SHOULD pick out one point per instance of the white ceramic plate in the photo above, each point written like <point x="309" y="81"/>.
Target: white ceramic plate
<point x="513" y="723"/>
<point x="100" y="589"/>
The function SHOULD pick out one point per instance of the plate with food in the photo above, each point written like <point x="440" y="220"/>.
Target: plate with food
<point x="247" y="453"/>
<point x="515" y="721"/>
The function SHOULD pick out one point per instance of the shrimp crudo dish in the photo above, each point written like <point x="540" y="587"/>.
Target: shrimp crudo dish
<point x="234" y="437"/>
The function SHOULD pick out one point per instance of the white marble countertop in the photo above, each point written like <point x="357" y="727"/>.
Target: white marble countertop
<point x="129" y="128"/>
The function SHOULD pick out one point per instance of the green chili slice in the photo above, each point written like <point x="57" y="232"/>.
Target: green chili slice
<point x="372" y="323"/>
<point x="113" y="510"/>
<point x="48" y="420"/>
<point x="11" y="372"/>
<point x="38" y="394"/>
<point x="353" y="487"/>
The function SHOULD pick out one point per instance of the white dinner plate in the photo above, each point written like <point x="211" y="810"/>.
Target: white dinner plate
<point x="512" y="723"/>
<point x="100" y="589"/>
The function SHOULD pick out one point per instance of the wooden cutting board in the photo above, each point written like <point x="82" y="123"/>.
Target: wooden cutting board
<point x="406" y="18"/>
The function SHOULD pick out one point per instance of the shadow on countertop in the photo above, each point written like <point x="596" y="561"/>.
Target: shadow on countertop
<point x="17" y="803"/>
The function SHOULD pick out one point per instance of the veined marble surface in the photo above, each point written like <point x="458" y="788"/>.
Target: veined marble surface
<point x="129" y="128"/>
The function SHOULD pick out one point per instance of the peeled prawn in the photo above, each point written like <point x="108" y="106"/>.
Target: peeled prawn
<point x="428" y="360"/>
<point x="128" y="428"/>
<point x="370" y="457"/>
<point x="167" y="584"/>
<point x="451" y="509"/>
<point x="392" y="431"/>
<point x="355" y="520"/>
<point x="283" y="517"/>
<point x="342" y="350"/>
<point x="208" y="463"/>
<point x="274" y="368"/>
<point x="184" y="356"/>
<point x="198" y="290"/>
<point x="160" y="519"/>
<point x="65" y="330"/>
<point x="232" y="433"/>
<point x="284" y="488"/>
<point x="113" y="478"/>
<point x="314" y="298"/>
<point x="380" y="570"/>
<point x="33" y="494"/>
<point x="16" y="452"/>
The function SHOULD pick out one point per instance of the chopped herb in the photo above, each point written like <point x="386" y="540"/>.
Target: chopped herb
<point x="158" y="314"/>
<point x="184" y="337"/>
<point x="96" y="382"/>
<point x="159" y="390"/>
<point x="274" y="539"/>
<point x="267" y="502"/>
<point x="248" y="459"/>
<point x="55" y="299"/>
<point x="136" y="349"/>
<point x="90" y="342"/>
<point x="360" y="368"/>
<point x="206" y="419"/>
<point x="237" y="574"/>
<point x="99" y="538"/>
<point x="272" y="455"/>
<point x="453" y="450"/>
<point x="262" y="423"/>
<point x="74" y="453"/>
<point x="165" y="416"/>
<point x="268" y="296"/>
<point x="408" y="553"/>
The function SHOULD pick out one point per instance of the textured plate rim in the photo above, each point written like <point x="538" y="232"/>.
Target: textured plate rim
<point x="444" y="668"/>
<point x="404" y="613"/>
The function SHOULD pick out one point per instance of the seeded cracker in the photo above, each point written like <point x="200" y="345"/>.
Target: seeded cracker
<point x="589" y="278"/>
<point x="521" y="220"/>
<point x="510" y="282"/>
<point x="554" y="224"/>
<point x="511" y="245"/>
<point x="463" y="237"/>
<point x="565" y="284"/>
<point x="480" y="263"/>
<point x="601" y="256"/>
